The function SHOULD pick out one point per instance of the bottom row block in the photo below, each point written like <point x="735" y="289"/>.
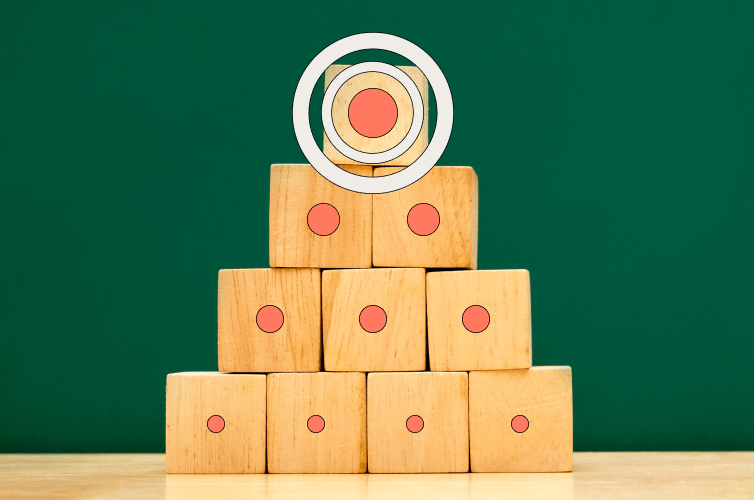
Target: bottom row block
<point x="215" y="423"/>
<point x="317" y="422"/>
<point x="521" y="420"/>
<point x="418" y="422"/>
<point x="495" y="421"/>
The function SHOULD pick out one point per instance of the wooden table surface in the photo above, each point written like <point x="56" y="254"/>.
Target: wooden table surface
<point x="596" y="475"/>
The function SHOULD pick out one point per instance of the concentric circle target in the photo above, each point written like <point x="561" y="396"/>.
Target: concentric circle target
<point x="400" y="148"/>
<point x="406" y="176"/>
<point x="372" y="112"/>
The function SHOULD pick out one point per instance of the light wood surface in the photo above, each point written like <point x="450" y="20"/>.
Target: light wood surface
<point x="374" y="80"/>
<point x="294" y="190"/>
<point x="340" y="399"/>
<point x="542" y="395"/>
<point x="242" y="346"/>
<point x="400" y="345"/>
<point x="506" y="342"/>
<point x="194" y="397"/>
<point x="596" y="476"/>
<point x="441" y="399"/>
<point x="454" y="192"/>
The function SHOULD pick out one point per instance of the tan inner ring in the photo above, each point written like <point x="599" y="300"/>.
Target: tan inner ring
<point x="372" y="80"/>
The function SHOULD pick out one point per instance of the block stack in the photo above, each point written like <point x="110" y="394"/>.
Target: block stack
<point x="372" y="343"/>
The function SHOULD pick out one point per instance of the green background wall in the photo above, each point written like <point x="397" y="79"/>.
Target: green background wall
<point x="614" y="143"/>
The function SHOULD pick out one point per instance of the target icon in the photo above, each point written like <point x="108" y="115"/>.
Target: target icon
<point x="369" y="113"/>
<point x="373" y="116"/>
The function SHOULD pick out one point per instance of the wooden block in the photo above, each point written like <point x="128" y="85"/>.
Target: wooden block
<point x="302" y="202"/>
<point x="316" y="423"/>
<point x="215" y="423"/>
<point x="479" y="320"/>
<point x="431" y="223"/>
<point x="268" y="320"/>
<point x="405" y="113"/>
<point x="521" y="420"/>
<point x="374" y="320"/>
<point x="418" y="422"/>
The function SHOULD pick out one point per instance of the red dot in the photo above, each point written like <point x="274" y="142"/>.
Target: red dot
<point x="520" y="423"/>
<point x="423" y="219"/>
<point x="323" y="219"/>
<point x="372" y="319"/>
<point x="215" y="423"/>
<point x="315" y="423"/>
<point x="373" y="113"/>
<point x="414" y="423"/>
<point x="476" y="319"/>
<point x="270" y="319"/>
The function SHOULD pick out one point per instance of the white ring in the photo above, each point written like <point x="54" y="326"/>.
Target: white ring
<point x="382" y="156"/>
<point x="335" y="174"/>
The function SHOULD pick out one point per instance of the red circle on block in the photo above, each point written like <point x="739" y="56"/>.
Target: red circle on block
<point x="315" y="423"/>
<point x="323" y="219"/>
<point x="520" y="423"/>
<point x="373" y="112"/>
<point x="476" y="319"/>
<point x="373" y="319"/>
<point x="215" y="424"/>
<point x="270" y="319"/>
<point x="414" y="423"/>
<point x="423" y="219"/>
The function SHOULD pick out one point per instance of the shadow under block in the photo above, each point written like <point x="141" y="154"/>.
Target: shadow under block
<point x="453" y="192"/>
<point x="400" y="345"/>
<point x="295" y="398"/>
<point x="236" y="444"/>
<point x="441" y="400"/>
<point x="376" y="80"/>
<point x="242" y="344"/>
<point x="543" y="396"/>
<point x="294" y="191"/>
<point x="505" y="343"/>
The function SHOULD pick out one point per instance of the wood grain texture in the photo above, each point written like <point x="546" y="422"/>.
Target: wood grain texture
<point x="504" y="344"/>
<point x="340" y="399"/>
<point x="596" y="476"/>
<point x="374" y="80"/>
<point x="440" y="399"/>
<point x="400" y="345"/>
<point x="454" y="192"/>
<point x="242" y="346"/>
<point x="191" y="399"/>
<point x="294" y="190"/>
<point x="543" y="395"/>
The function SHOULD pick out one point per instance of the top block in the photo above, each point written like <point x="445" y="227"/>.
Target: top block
<point x="372" y="112"/>
<point x="314" y="223"/>
<point x="433" y="223"/>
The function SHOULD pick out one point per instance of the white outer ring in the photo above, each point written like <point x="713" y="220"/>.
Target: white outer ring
<point x="347" y="180"/>
<point x="382" y="156"/>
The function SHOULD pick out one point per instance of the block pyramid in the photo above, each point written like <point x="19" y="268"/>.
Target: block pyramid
<point x="372" y="343"/>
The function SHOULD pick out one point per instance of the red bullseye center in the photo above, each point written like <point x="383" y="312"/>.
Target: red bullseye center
<point x="315" y="423"/>
<point x="423" y="219"/>
<point x="270" y="319"/>
<point x="323" y="219"/>
<point x="373" y="113"/>
<point x="216" y="423"/>
<point x="414" y="423"/>
<point x="373" y="319"/>
<point x="476" y="319"/>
